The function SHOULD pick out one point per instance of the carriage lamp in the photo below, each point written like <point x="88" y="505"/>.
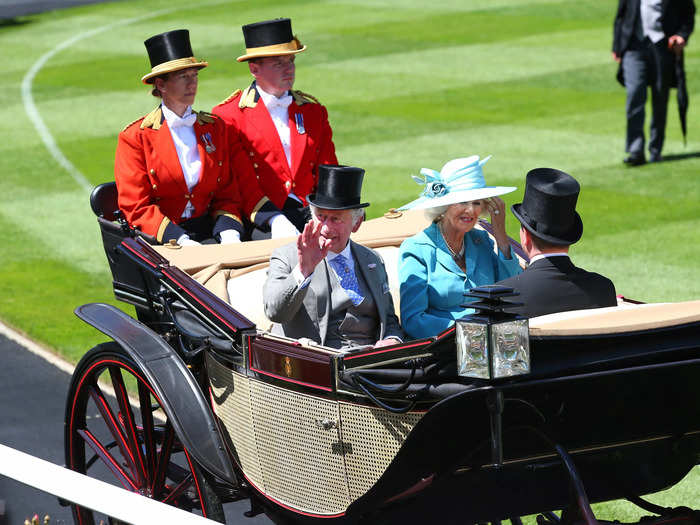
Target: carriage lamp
<point x="492" y="343"/>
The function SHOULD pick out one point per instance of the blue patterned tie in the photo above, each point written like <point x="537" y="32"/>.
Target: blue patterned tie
<point x="348" y="279"/>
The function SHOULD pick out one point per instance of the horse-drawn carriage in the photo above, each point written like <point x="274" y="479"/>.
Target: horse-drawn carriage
<point x="490" y="420"/>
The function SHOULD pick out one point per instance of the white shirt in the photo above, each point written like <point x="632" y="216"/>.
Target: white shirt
<point x="182" y="132"/>
<point x="278" y="107"/>
<point x="546" y="255"/>
<point x="650" y="15"/>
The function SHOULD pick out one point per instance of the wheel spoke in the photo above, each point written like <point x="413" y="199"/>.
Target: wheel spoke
<point x="178" y="490"/>
<point x="129" y="423"/>
<point x="148" y="429"/>
<point x="108" y="460"/>
<point x="113" y="426"/>
<point x="163" y="460"/>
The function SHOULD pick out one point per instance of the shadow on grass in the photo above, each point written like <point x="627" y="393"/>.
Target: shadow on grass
<point x="12" y="22"/>
<point x="680" y="156"/>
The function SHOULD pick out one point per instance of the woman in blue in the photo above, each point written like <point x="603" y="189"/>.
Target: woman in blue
<point x="438" y="265"/>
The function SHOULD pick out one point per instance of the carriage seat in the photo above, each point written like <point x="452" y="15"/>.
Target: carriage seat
<point x="625" y="317"/>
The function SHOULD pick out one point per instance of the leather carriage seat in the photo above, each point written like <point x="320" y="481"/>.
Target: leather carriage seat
<point x="626" y="317"/>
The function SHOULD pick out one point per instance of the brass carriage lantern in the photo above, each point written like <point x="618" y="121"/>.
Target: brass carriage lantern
<point x="492" y="343"/>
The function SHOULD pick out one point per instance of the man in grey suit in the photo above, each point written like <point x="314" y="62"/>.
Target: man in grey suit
<point x="324" y="286"/>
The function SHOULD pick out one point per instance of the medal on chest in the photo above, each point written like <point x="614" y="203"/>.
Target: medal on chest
<point x="299" y="119"/>
<point x="208" y="144"/>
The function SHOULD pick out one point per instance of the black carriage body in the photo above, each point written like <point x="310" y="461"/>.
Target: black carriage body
<point x="309" y="447"/>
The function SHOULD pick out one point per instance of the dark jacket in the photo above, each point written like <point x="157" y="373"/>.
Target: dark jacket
<point x="554" y="284"/>
<point x="677" y="18"/>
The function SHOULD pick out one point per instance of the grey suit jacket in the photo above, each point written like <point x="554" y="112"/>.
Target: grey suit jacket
<point x="303" y="312"/>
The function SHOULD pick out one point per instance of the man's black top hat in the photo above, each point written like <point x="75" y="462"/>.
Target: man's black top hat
<point x="338" y="188"/>
<point x="270" y="38"/>
<point x="268" y="32"/>
<point x="168" y="52"/>
<point x="548" y="210"/>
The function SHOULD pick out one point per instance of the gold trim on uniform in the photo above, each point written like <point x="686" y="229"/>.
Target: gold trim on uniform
<point x="236" y="218"/>
<point x="204" y="117"/>
<point x="153" y="119"/>
<point x="302" y="98"/>
<point x="248" y="98"/>
<point x="173" y="65"/>
<point x="161" y="229"/>
<point x="257" y="207"/>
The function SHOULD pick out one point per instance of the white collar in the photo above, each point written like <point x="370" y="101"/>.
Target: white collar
<point x="171" y="116"/>
<point x="547" y="255"/>
<point x="345" y="253"/>
<point x="269" y="98"/>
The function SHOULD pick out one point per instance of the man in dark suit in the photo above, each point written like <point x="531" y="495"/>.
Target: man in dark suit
<point x="324" y="286"/>
<point x="549" y="224"/>
<point x="648" y="35"/>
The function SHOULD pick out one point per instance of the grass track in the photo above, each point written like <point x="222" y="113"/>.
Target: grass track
<point x="407" y="86"/>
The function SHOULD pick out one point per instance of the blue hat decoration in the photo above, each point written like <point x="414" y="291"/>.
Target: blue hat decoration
<point x="460" y="180"/>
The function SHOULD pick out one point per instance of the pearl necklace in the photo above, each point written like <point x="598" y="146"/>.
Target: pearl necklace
<point x="458" y="256"/>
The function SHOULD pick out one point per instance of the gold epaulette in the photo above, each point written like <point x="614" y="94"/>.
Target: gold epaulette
<point x="248" y="98"/>
<point x="153" y="119"/>
<point x="303" y="98"/>
<point x="230" y="97"/>
<point x="204" y="117"/>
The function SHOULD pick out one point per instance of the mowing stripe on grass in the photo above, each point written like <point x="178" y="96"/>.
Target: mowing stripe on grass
<point x="33" y="112"/>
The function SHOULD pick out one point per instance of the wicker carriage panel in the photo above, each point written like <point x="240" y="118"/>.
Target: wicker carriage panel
<point x="231" y="394"/>
<point x="302" y="463"/>
<point x="372" y="438"/>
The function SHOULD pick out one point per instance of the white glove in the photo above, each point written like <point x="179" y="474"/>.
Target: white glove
<point x="281" y="227"/>
<point x="230" y="237"/>
<point x="184" y="240"/>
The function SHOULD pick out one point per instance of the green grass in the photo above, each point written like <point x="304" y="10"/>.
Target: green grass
<point x="407" y="85"/>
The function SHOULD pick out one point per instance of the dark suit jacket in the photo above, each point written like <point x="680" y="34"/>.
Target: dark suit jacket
<point x="554" y="284"/>
<point x="677" y="18"/>
<point x="304" y="312"/>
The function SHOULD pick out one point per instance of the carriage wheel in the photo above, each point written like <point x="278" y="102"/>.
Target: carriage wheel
<point x="108" y="437"/>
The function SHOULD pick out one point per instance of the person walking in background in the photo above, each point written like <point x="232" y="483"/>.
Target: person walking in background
<point x="647" y="36"/>
<point x="284" y="133"/>
<point x="172" y="169"/>
<point x="549" y="224"/>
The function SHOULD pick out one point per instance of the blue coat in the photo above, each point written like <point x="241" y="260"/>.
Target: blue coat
<point x="432" y="285"/>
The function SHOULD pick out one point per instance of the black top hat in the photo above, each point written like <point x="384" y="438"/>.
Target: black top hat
<point x="548" y="210"/>
<point x="168" y="52"/>
<point x="338" y="188"/>
<point x="270" y="38"/>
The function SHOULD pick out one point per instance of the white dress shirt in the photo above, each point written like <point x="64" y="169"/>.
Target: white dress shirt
<point x="278" y="108"/>
<point x="546" y="255"/>
<point x="182" y="132"/>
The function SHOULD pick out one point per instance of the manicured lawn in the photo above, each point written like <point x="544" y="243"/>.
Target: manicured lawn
<point x="407" y="85"/>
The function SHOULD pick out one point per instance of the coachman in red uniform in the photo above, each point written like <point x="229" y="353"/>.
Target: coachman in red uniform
<point x="283" y="135"/>
<point x="172" y="167"/>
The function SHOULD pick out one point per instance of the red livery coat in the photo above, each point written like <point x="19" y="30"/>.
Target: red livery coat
<point x="150" y="182"/>
<point x="258" y="156"/>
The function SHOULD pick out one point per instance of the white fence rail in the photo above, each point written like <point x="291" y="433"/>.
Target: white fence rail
<point x="91" y="493"/>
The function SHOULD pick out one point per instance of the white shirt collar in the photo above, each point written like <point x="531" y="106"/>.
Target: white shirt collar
<point x="546" y="255"/>
<point x="268" y="98"/>
<point x="345" y="253"/>
<point x="171" y="116"/>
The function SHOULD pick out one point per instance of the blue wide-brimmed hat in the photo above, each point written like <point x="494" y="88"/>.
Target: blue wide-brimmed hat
<point x="460" y="180"/>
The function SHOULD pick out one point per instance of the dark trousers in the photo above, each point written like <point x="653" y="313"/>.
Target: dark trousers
<point x="644" y="65"/>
